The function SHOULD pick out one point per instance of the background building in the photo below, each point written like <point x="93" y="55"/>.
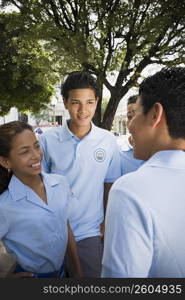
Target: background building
<point x="56" y="114"/>
<point x="119" y="123"/>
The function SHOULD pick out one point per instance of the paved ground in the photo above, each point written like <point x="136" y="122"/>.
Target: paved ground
<point x="6" y="262"/>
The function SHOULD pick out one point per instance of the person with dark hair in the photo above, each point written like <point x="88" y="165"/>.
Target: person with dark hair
<point x="128" y="162"/>
<point x="89" y="158"/>
<point x="145" y="213"/>
<point x="79" y="80"/>
<point x="33" y="207"/>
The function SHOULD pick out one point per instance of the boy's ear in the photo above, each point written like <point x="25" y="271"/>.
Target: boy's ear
<point x="97" y="99"/>
<point x="157" y="114"/>
<point x="4" y="162"/>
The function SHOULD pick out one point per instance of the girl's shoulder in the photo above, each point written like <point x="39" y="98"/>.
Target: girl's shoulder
<point x="53" y="179"/>
<point x="4" y="197"/>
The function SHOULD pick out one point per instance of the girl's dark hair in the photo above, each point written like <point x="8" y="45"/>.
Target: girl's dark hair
<point x="7" y="132"/>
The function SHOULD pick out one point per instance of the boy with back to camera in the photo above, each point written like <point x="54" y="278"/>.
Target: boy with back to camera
<point x="89" y="158"/>
<point x="144" y="220"/>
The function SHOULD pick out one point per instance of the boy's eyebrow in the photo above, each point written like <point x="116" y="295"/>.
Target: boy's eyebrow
<point x="90" y="99"/>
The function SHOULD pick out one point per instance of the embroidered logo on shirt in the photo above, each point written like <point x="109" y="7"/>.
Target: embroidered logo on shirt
<point x="99" y="155"/>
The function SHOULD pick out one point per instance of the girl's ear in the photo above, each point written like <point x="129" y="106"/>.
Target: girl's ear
<point x="4" y="162"/>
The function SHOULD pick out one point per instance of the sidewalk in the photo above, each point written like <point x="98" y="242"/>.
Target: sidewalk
<point x="7" y="262"/>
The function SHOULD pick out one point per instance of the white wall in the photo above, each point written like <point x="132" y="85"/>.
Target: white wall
<point x="11" y="116"/>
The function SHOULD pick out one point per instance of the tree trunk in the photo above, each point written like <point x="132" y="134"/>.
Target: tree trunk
<point x="97" y="116"/>
<point x="97" y="119"/>
<point x="110" y="111"/>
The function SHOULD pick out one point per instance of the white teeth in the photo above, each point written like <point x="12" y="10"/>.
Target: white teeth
<point x="82" y="118"/>
<point x="36" y="165"/>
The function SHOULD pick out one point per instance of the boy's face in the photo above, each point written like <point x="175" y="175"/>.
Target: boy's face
<point x="141" y="131"/>
<point x="130" y="112"/>
<point x="81" y="104"/>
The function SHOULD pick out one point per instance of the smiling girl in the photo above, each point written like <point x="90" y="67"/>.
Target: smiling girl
<point x="33" y="207"/>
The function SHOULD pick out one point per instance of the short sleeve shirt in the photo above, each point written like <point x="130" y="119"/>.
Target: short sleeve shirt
<point x="35" y="232"/>
<point x="145" y="218"/>
<point x="87" y="164"/>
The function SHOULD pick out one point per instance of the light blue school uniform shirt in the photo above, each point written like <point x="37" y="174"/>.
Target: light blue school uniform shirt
<point x="128" y="162"/>
<point x="87" y="164"/>
<point x="145" y="220"/>
<point x="34" y="232"/>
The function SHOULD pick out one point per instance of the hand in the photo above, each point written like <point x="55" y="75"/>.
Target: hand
<point x="78" y="275"/>
<point x="102" y="229"/>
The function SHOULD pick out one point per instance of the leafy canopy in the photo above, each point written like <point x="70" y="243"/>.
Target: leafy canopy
<point x="119" y="37"/>
<point x="26" y="79"/>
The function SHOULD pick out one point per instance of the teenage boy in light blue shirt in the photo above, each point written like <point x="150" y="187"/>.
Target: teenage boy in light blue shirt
<point x="145" y="213"/>
<point x="89" y="158"/>
<point x="128" y="162"/>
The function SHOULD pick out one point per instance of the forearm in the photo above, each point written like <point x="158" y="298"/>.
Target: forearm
<point x="107" y="187"/>
<point x="73" y="254"/>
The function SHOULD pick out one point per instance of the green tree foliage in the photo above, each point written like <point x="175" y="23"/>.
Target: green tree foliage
<point x="119" y="37"/>
<point x="26" y="80"/>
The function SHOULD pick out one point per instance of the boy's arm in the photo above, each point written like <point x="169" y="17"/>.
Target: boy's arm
<point x="73" y="254"/>
<point x="45" y="163"/>
<point x="113" y="173"/>
<point x="107" y="187"/>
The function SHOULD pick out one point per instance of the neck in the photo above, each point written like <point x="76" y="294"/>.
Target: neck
<point x="32" y="181"/>
<point x="169" y="144"/>
<point x="79" y="131"/>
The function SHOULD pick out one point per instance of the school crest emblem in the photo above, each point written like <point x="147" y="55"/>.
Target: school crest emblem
<point x="100" y="155"/>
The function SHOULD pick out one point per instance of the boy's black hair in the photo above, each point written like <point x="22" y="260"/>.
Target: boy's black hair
<point x="168" y="88"/>
<point x="132" y="99"/>
<point x="79" y="80"/>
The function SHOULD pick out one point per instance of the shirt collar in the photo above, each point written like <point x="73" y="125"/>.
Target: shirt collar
<point x="19" y="190"/>
<point x="65" y="133"/>
<point x="172" y="159"/>
<point x="16" y="188"/>
<point x="126" y="146"/>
